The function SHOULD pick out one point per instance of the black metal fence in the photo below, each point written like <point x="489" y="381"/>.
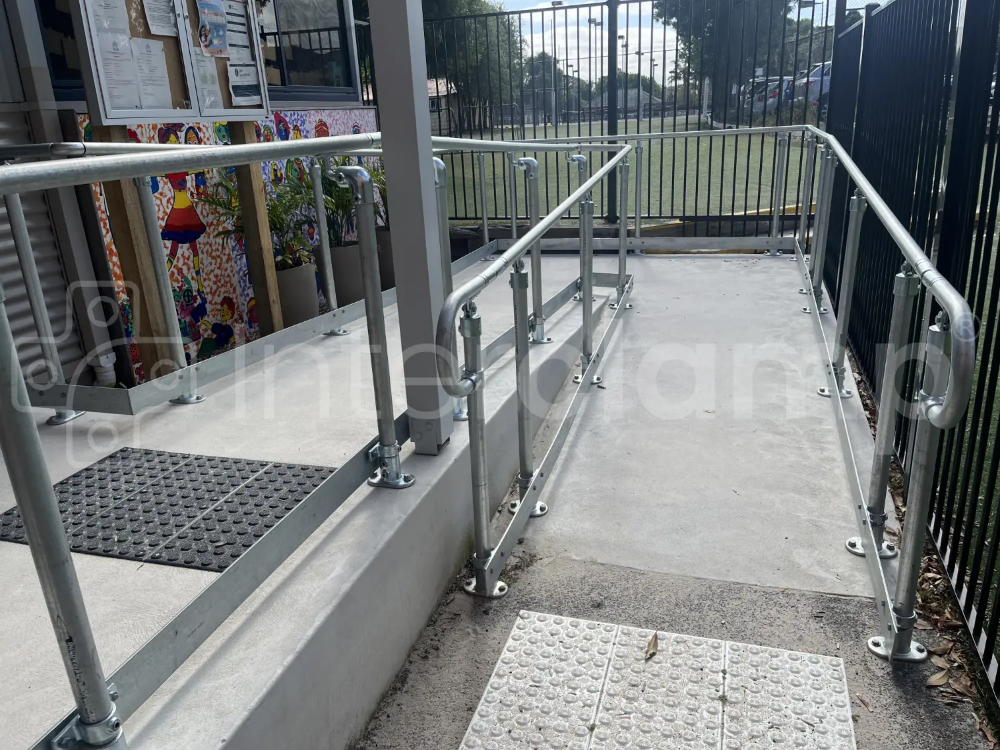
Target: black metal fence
<point x="632" y="67"/>
<point x="913" y="99"/>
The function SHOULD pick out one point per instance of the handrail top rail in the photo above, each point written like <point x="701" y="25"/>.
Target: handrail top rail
<point x="46" y="175"/>
<point x="445" y="333"/>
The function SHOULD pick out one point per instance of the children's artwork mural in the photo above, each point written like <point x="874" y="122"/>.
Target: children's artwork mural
<point x="210" y="275"/>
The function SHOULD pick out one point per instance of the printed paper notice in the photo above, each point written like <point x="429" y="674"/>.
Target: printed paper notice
<point x="244" y="85"/>
<point x="118" y="70"/>
<point x="154" y="85"/>
<point x="209" y="91"/>
<point x="212" y="28"/>
<point x="110" y="15"/>
<point x="160" y="17"/>
<point x="237" y="33"/>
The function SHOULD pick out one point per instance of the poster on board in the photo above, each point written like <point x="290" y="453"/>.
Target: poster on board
<point x="238" y="33"/>
<point x="212" y="28"/>
<point x="161" y="17"/>
<point x="151" y="67"/>
<point x="244" y="84"/>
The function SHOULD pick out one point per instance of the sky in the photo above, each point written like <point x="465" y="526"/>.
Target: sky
<point x="655" y="43"/>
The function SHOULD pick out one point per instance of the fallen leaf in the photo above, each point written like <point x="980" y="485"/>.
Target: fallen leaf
<point x="940" y="662"/>
<point x="923" y="625"/>
<point x="963" y="685"/>
<point x="938" y="680"/>
<point x="942" y="649"/>
<point x="861" y="699"/>
<point x="652" y="647"/>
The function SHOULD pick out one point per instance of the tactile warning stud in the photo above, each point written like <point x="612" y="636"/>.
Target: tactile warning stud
<point x="572" y="684"/>
<point x="671" y="700"/>
<point x="173" y="508"/>
<point x="785" y="699"/>
<point x="546" y="686"/>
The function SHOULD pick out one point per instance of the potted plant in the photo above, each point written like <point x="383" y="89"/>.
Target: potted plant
<point x="383" y="234"/>
<point x="293" y="258"/>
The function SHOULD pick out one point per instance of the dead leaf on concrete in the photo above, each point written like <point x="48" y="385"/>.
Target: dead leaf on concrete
<point x="652" y="647"/>
<point x="923" y="625"/>
<point x="938" y="680"/>
<point x="940" y="662"/>
<point x="963" y="685"/>
<point x="863" y="702"/>
<point x="942" y="649"/>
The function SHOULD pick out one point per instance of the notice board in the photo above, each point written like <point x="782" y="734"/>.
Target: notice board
<point x="171" y="60"/>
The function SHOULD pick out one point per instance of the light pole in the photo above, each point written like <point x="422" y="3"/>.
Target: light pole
<point x="595" y="24"/>
<point x="555" y="4"/>
<point x="624" y="67"/>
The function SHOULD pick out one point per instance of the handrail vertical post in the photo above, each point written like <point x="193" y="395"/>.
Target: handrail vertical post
<point x="778" y="198"/>
<point x="900" y="646"/>
<point x="807" y="190"/>
<point x="512" y="170"/>
<point x="165" y="292"/>
<point x="482" y="197"/>
<point x="519" y="284"/>
<point x="638" y="190"/>
<point x="458" y="412"/>
<point x="622" y="231"/>
<point x="858" y="206"/>
<point x="36" y="301"/>
<point x="537" y="323"/>
<point x="828" y="169"/>
<point x="97" y="723"/>
<point x="324" y="261"/>
<point x="388" y="473"/>
<point x="581" y="164"/>
<point x="587" y="281"/>
<point x="471" y="327"/>
<point x="906" y="285"/>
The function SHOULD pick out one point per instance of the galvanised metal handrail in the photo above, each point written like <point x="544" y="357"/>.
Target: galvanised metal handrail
<point x="445" y="334"/>
<point x="488" y="559"/>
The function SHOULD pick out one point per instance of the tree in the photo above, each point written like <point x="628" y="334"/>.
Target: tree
<point x="725" y="41"/>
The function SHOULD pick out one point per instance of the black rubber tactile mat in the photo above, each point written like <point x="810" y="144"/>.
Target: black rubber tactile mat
<point x="174" y="508"/>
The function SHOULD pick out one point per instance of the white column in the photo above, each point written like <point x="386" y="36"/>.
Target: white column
<point x="398" y="40"/>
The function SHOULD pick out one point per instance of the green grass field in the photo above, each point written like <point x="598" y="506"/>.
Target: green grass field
<point x="684" y="176"/>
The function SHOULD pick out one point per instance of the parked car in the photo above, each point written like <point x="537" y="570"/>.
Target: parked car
<point x="782" y="91"/>
<point x="752" y="99"/>
<point x="814" y="86"/>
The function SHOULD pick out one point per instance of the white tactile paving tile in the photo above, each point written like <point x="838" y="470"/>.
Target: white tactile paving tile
<point x="779" y="699"/>
<point x="570" y="684"/>
<point x="673" y="700"/>
<point x="546" y="686"/>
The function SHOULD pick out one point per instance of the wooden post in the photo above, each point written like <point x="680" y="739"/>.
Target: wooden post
<point x="134" y="254"/>
<point x="257" y="235"/>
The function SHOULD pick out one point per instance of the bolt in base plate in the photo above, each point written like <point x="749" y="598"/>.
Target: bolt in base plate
<point x="337" y="332"/>
<point x="538" y="511"/>
<point x="546" y="340"/>
<point x="855" y="547"/>
<point x="915" y="655"/>
<point x="826" y="392"/>
<point x="62" y="417"/>
<point x="499" y="590"/>
<point x="197" y="398"/>
<point x="614" y="306"/>
<point x="378" y="479"/>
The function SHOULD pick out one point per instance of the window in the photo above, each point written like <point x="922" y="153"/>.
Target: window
<point x="306" y="50"/>
<point x="61" y="50"/>
<point x="435" y="105"/>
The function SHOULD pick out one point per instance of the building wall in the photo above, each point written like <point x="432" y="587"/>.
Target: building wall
<point x="211" y="280"/>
